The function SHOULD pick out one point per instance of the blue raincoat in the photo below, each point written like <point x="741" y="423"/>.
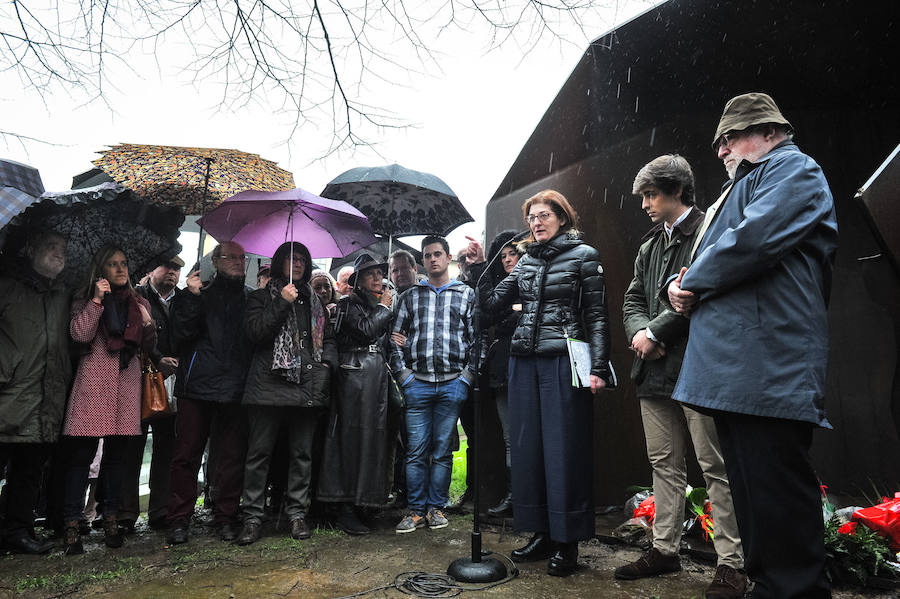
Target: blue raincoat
<point x="758" y="339"/>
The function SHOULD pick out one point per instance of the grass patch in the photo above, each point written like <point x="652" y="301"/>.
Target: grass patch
<point x="74" y="580"/>
<point x="458" y="479"/>
<point x="205" y="557"/>
<point x="325" y="532"/>
<point x="286" y="543"/>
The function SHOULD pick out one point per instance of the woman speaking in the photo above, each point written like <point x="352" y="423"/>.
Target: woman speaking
<point x="560" y="284"/>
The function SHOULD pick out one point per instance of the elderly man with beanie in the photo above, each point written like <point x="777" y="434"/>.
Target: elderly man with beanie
<point x="758" y="346"/>
<point x="658" y="337"/>
<point x="35" y="371"/>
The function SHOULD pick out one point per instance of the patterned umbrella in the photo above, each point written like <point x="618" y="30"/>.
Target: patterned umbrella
<point x="193" y="179"/>
<point x="399" y="201"/>
<point x="106" y="214"/>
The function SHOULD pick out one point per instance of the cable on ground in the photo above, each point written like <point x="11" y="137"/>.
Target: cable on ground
<point x="437" y="586"/>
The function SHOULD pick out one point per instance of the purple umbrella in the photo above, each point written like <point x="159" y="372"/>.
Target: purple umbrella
<point x="262" y="220"/>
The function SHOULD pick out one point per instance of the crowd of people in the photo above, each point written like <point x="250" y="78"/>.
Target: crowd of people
<point x="348" y="392"/>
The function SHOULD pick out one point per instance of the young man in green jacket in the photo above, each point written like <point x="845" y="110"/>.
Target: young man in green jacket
<point x="658" y="337"/>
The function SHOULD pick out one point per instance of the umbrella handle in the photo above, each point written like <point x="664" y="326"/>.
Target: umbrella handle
<point x="290" y="227"/>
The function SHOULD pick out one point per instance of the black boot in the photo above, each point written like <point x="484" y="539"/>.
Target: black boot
<point x="349" y="522"/>
<point x="504" y="509"/>
<point x="540" y="547"/>
<point x="564" y="561"/>
<point x="23" y="542"/>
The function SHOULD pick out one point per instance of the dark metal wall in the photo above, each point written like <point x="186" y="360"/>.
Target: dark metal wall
<point x="657" y="85"/>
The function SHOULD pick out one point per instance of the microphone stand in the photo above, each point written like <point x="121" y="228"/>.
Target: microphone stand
<point x="478" y="568"/>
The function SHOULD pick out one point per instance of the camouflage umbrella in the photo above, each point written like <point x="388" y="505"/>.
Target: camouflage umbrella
<point x="192" y="179"/>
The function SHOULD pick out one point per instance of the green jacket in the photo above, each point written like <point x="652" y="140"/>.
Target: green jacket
<point x="35" y="367"/>
<point x="657" y="260"/>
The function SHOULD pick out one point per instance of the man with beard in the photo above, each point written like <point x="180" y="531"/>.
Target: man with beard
<point x="35" y="370"/>
<point x="207" y="329"/>
<point x="758" y="345"/>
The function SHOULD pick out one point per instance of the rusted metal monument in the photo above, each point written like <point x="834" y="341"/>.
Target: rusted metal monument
<point x="657" y="84"/>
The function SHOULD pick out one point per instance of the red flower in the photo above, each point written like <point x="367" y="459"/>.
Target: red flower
<point x="848" y="529"/>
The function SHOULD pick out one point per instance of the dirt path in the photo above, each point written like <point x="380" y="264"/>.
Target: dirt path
<point x="329" y="565"/>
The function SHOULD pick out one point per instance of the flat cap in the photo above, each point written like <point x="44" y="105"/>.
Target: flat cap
<point x="747" y="110"/>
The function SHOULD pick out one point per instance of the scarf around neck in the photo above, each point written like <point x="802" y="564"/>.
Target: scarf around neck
<point x="286" y="352"/>
<point x="121" y="324"/>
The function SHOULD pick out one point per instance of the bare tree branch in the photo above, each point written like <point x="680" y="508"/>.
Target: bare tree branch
<point x="311" y="60"/>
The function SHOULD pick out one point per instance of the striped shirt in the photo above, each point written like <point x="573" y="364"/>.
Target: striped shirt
<point x="437" y="323"/>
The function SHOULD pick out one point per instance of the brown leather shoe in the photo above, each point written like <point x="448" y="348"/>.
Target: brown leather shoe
<point x="112" y="536"/>
<point x="728" y="583"/>
<point x="72" y="539"/>
<point x="651" y="563"/>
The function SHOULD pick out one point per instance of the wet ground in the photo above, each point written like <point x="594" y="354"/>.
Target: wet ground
<point x="329" y="565"/>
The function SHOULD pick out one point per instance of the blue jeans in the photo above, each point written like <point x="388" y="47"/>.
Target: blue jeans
<point x="432" y="410"/>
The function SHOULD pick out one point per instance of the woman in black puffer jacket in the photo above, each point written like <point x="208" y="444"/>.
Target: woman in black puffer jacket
<point x="288" y="383"/>
<point x="560" y="284"/>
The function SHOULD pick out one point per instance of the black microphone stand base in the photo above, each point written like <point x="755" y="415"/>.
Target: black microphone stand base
<point x="477" y="568"/>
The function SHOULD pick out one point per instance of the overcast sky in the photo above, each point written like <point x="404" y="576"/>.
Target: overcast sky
<point x="469" y="119"/>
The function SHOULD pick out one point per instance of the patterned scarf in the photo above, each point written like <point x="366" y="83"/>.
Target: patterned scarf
<point x="286" y="358"/>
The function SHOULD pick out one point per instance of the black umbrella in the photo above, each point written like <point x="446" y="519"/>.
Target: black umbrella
<point x="106" y="214"/>
<point x="399" y="201"/>
<point x="381" y="249"/>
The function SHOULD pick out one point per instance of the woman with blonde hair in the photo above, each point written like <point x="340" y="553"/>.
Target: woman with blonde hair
<point x="560" y="284"/>
<point x="113" y="323"/>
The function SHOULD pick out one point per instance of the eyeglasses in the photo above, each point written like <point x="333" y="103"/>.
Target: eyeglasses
<point x="727" y="139"/>
<point x="542" y="216"/>
<point x="235" y="257"/>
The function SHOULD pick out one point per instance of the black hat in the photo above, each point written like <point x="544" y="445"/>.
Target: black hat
<point x="364" y="262"/>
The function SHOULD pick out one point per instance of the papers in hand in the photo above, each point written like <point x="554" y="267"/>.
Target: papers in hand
<point x="580" y="363"/>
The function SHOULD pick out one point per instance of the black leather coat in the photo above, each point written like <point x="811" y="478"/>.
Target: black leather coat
<point x="357" y="457"/>
<point x="561" y="287"/>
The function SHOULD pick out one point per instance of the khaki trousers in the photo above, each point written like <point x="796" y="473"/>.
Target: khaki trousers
<point x="669" y="426"/>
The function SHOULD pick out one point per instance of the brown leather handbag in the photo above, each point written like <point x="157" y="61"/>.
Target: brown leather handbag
<point x="154" y="399"/>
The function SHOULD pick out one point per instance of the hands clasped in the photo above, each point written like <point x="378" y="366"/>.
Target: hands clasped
<point x="682" y="301"/>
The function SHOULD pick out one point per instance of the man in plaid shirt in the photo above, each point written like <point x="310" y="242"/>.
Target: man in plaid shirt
<point x="432" y="367"/>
